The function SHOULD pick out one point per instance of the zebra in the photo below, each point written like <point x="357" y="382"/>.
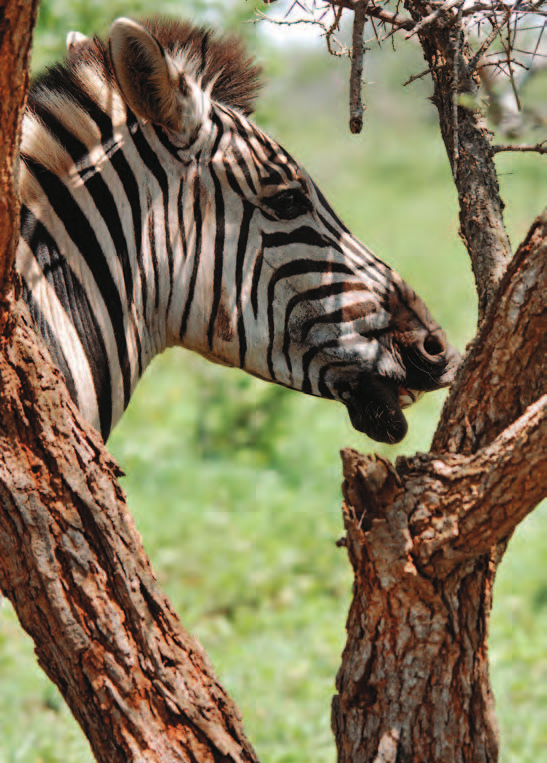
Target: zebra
<point x="156" y="213"/>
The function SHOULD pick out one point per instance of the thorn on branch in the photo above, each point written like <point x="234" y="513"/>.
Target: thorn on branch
<point x="396" y="20"/>
<point x="415" y="77"/>
<point x="356" y="108"/>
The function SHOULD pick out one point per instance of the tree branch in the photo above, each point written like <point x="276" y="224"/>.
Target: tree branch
<point x="538" y="148"/>
<point x="467" y="142"/>
<point x="356" y="75"/>
<point x="397" y="20"/>
<point x="507" y="357"/>
<point x="477" y="493"/>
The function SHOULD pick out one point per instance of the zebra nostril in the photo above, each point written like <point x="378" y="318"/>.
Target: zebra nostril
<point x="434" y="345"/>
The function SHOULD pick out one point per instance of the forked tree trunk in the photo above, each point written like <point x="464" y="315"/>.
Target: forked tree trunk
<point x="424" y="537"/>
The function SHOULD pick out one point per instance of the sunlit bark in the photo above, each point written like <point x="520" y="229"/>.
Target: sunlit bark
<point x="71" y="561"/>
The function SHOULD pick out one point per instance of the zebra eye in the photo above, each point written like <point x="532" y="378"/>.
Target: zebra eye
<point x="289" y="204"/>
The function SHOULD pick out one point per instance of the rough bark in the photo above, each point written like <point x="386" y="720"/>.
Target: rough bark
<point x="506" y="360"/>
<point x="72" y="562"/>
<point x="17" y="19"/>
<point x="74" y="568"/>
<point x="426" y="536"/>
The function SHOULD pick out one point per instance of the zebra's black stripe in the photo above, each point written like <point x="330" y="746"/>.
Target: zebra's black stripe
<point x="73" y="300"/>
<point x="121" y="167"/>
<point x="220" y="228"/>
<point x="197" y="255"/>
<point x="152" y="246"/>
<point x="152" y="162"/>
<point x="106" y="204"/>
<point x="242" y="244"/>
<point x="82" y="234"/>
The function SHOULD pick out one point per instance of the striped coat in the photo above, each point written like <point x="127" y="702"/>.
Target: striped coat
<point x="155" y="213"/>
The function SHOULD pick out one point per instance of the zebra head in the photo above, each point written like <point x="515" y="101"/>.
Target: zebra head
<point x="155" y="213"/>
<point x="280" y="287"/>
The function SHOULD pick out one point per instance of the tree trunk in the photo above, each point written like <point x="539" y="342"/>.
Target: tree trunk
<point x="72" y="562"/>
<point x="74" y="568"/>
<point x="17" y="19"/>
<point x="425" y="536"/>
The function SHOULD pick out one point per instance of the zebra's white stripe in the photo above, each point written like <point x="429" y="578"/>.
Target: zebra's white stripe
<point x="80" y="270"/>
<point x="61" y="325"/>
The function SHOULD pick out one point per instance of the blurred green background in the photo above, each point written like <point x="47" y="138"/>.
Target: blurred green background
<point x="235" y="485"/>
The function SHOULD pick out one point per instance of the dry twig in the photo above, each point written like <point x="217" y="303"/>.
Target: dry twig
<point x="332" y="29"/>
<point x="356" y="108"/>
<point x="538" y="148"/>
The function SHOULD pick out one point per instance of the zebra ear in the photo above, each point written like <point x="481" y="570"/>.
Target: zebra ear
<point x="151" y="82"/>
<point x="73" y="39"/>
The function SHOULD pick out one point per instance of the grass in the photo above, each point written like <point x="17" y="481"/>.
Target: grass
<point x="518" y="656"/>
<point x="239" y="507"/>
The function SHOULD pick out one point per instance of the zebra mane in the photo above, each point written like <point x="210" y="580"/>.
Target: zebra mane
<point x="64" y="101"/>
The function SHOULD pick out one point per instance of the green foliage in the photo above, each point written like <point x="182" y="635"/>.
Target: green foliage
<point x="235" y="485"/>
<point x="239" y="417"/>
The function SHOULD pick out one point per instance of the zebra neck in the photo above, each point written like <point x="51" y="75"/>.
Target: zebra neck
<point x="97" y="258"/>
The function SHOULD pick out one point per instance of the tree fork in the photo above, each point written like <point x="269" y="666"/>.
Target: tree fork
<point x="414" y="672"/>
<point x="425" y="538"/>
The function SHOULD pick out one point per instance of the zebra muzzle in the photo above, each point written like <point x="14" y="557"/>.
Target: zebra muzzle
<point x="375" y="408"/>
